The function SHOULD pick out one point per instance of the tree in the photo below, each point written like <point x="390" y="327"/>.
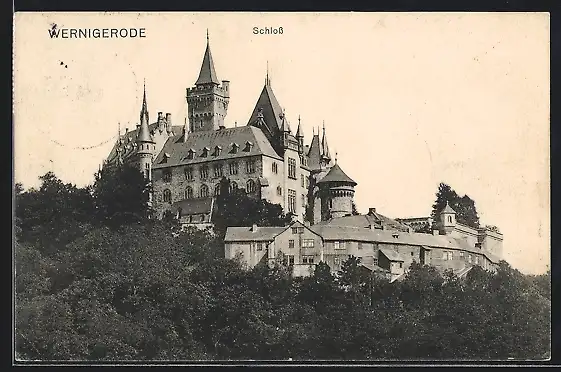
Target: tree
<point x="464" y="206"/>
<point x="122" y="195"/>
<point x="236" y="208"/>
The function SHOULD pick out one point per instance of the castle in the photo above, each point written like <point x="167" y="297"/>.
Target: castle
<point x="264" y="157"/>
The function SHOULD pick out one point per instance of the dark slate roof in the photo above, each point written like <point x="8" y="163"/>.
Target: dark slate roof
<point x="314" y="153"/>
<point x="365" y="220"/>
<point x="193" y="206"/>
<point x="144" y="133"/>
<point x="131" y="136"/>
<point x="224" y="138"/>
<point x="272" y="111"/>
<point x="243" y="234"/>
<point x="208" y="73"/>
<point x="392" y="255"/>
<point x="336" y="174"/>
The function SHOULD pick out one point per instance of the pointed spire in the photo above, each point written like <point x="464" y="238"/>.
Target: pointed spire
<point x="144" y="109"/>
<point x="207" y="75"/>
<point x="324" y="146"/>
<point x="299" y="130"/>
<point x="267" y="80"/>
<point x="335" y="157"/>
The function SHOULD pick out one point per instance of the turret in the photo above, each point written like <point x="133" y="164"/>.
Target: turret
<point x="448" y="219"/>
<point x="336" y="191"/>
<point x="300" y="138"/>
<point x="145" y="144"/>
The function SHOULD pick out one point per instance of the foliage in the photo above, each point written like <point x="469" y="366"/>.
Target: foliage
<point x="236" y="208"/>
<point x="141" y="290"/>
<point x="466" y="213"/>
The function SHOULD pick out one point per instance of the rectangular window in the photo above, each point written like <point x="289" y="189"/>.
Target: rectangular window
<point x="401" y="265"/>
<point x="302" y="180"/>
<point x="303" y="200"/>
<point x="339" y="245"/>
<point x="290" y="259"/>
<point x="308" y="243"/>
<point x="359" y="245"/>
<point x="461" y="254"/>
<point x="307" y="179"/>
<point x="250" y="166"/>
<point x="295" y="230"/>
<point x="234" y="168"/>
<point x="292" y="201"/>
<point x="375" y="261"/>
<point x="308" y="259"/>
<point x="204" y="172"/>
<point x="336" y="260"/>
<point x="167" y="175"/>
<point x="450" y="256"/>
<point x="189" y="174"/>
<point x="292" y="168"/>
<point x="259" y="246"/>
<point x="300" y="230"/>
<point x="274" y="168"/>
<point x="218" y="170"/>
<point x="291" y="243"/>
<point x="477" y="260"/>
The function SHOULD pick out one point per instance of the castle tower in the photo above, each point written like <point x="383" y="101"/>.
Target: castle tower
<point x="207" y="101"/>
<point x="146" y="146"/>
<point x="325" y="155"/>
<point x="448" y="219"/>
<point x="336" y="192"/>
<point x="300" y="138"/>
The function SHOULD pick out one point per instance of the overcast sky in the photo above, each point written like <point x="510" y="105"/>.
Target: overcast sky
<point x="408" y="100"/>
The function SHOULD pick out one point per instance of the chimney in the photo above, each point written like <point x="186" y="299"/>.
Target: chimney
<point x="168" y="122"/>
<point x="371" y="211"/>
<point x="126" y="130"/>
<point x="435" y="232"/>
<point x="254" y="227"/>
<point x="307" y="223"/>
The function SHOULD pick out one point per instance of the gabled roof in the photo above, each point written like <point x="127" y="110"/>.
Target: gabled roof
<point x="365" y="220"/>
<point x="448" y="209"/>
<point x="392" y="255"/>
<point x="224" y="138"/>
<point x="336" y="174"/>
<point x="245" y="234"/>
<point x="272" y="111"/>
<point x="208" y="73"/>
<point x="193" y="206"/>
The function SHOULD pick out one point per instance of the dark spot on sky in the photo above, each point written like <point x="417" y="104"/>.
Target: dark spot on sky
<point x="61" y="63"/>
<point x="65" y="66"/>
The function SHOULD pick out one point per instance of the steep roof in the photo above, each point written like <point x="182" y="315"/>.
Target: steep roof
<point x="314" y="153"/>
<point x="193" y="206"/>
<point x="336" y="174"/>
<point x="224" y="138"/>
<point x="129" y="141"/>
<point x="392" y="255"/>
<point x="272" y="111"/>
<point x="243" y="234"/>
<point x="208" y="73"/>
<point x="448" y="209"/>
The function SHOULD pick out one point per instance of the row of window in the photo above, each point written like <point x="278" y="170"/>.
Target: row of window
<point x="251" y="187"/>
<point x="345" y="245"/>
<point x="205" y="151"/>
<point x="306" y="243"/>
<point x="218" y="170"/>
<point x="448" y="256"/>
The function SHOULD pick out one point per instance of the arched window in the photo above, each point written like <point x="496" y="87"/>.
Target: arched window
<point x="250" y="187"/>
<point x="189" y="192"/>
<point x="204" y="191"/>
<point x="233" y="186"/>
<point x="450" y="219"/>
<point x="279" y="190"/>
<point x="167" y="196"/>
<point x="217" y="189"/>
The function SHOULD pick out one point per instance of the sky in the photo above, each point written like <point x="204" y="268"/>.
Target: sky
<point x="409" y="100"/>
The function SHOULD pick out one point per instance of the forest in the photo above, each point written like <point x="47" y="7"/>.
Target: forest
<point x="96" y="279"/>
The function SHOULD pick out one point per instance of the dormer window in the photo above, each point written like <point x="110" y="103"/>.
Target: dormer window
<point x="191" y="154"/>
<point x="248" y="146"/>
<point x="217" y="150"/>
<point x="395" y="235"/>
<point x="205" y="152"/>
<point x="235" y="148"/>
<point x="165" y="158"/>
